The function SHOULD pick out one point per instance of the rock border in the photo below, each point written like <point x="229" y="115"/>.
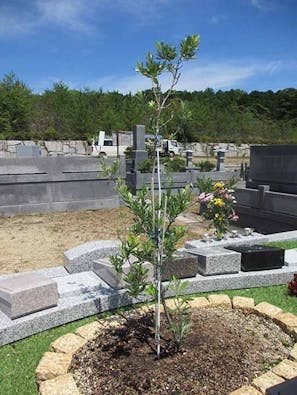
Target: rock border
<point x="52" y="372"/>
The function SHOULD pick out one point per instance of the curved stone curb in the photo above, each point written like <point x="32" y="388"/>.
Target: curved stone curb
<point x="52" y="372"/>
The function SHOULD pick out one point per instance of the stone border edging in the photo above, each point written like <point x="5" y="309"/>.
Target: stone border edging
<point x="52" y="372"/>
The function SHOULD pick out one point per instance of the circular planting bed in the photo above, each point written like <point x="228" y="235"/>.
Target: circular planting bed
<point x="228" y="350"/>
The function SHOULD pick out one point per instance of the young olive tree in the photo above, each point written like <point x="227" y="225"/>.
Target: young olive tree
<point x="153" y="238"/>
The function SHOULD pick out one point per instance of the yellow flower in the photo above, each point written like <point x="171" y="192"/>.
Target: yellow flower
<point x="217" y="215"/>
<point x="218" y="202"/>
<point x="218" y="185"/>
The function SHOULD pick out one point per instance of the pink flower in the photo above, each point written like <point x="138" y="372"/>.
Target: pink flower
<point x="201" y="197"/>
<point x="235" y="217"/>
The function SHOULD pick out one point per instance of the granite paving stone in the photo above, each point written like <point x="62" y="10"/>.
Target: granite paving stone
<point x="89" y="331"/>
<point x="267" y="309"/>
<point x="219" y="300"/>
<point x="52" y="365"/>
<point x="241" y="302"/>
<point x="68" y="343"/>
<point x="267" y="380"/>
<point x="61" y="385"/>
<point x="246" y="390"/>
<point x="198" y="303"/>
<point x="293" y="353"/>
<point x="287" y="321"/>
<point x="286" y="369"/>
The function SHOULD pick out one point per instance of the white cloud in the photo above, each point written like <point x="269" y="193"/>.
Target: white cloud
<point x="263" y="5"/>
<point x="75" y="15"/>
<point x="72" y="14"/>
<point x="216" y="75"/>
<point x="216" y="19"/>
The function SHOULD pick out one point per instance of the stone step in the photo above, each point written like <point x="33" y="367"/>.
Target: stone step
<point x="84" y="283"/>
<point x="291" y="257"/>
<point x="216" y="260"/>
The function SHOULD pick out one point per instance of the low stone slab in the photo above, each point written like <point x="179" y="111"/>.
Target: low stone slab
<point x="69" y="343"/>
<point x="89" y="331"/>
<point x="268" y="310"/>
<point x="291" y="257"/>
<point x="106" y="271"/>
<point x="287" y="321"/>
<point x="52" y="365"/>
<point x="181" y="267"/>
<point x="286" y="369"/>
<point x="218" y="260"/>
<point x="199" y="303"/>
<point x="240" y="302"/>
<point x="27" y="293"/>
<point x="219" y="301"/>
<point x="267" y="380"/>
<point x="255" y="238"/>
<point x="246" y="390"/>
<point x="61" y="385"/>
<point x="81" y="257"/>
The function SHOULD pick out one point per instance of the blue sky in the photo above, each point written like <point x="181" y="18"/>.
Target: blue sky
<point x="245" y="44"/>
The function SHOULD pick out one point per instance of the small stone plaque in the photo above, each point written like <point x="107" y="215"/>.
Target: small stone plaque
<point x="180" y="267"/>
<point x="27" y="293"/>
<point x="106" y="271"/>
<point x="259" y="257"/>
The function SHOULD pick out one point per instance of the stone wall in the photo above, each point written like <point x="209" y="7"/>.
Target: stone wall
<point x="8" y="148"/>
<point x="39" y="185"/>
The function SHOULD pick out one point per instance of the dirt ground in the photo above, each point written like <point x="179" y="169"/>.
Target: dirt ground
<point x="223" y="350"/>
<point x="31" y="242"/>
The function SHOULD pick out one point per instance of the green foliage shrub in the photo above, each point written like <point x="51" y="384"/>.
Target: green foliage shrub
<point x="205" y="165"/>
<point x="174" y="165"/>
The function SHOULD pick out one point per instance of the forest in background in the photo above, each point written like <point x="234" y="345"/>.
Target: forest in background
<point x="62" y="113"/>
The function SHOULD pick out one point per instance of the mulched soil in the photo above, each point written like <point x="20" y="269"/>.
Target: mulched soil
<point x="224" y="350"/>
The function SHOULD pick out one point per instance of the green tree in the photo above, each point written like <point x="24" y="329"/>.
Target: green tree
<point x="153" y="238"/>
<point x="15" y="107"/>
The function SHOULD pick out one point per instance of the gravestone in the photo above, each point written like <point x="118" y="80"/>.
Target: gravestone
<point x="139" y="153"/>
<point x="184" y="266"/>
<point x="258" y="257"/>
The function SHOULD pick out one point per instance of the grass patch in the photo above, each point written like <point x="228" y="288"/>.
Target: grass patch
<point x="286" y="245"/>
<point x="19" y="360"/>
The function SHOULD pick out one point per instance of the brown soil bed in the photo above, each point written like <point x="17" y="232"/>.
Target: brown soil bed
<point x="224" y="350"/>
<point x="37" y="241"/>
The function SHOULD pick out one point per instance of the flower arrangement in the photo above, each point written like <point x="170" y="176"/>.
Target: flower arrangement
<point x="219" y="204"/>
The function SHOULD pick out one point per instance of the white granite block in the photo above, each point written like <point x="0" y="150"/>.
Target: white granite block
<point x="27" y="293"/>
<point x="217" y="260"/>
<point x="81" y="257"/>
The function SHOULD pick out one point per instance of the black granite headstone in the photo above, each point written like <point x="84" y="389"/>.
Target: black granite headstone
<point x="258" y="257"/>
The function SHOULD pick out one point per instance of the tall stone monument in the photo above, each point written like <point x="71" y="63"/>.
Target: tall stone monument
<point x="139" y="153"/>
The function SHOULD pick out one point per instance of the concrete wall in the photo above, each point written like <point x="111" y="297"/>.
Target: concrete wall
<point x="274" y="165"/>
<point x="8" y="148"/>
<point x="266" y="211"/>
<point x="176" y="180"/>
<point x="32" y="185"/>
